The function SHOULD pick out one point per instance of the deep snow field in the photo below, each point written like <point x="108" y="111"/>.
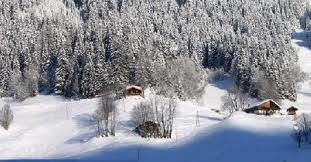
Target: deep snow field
<point x="51" y="127"/>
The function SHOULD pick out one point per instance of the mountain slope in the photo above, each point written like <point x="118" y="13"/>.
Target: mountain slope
<point x="241" y="138"/>
<point x="50" y="127"/>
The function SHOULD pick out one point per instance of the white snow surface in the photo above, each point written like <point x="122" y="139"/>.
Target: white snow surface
<point x="51" y="127"/>
<point x="303" y="102"/>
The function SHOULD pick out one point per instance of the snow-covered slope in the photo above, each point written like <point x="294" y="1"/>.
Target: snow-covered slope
<point x="304" y="54"/>
<point x="50" y="127"/>
<point x="242" y="138"/>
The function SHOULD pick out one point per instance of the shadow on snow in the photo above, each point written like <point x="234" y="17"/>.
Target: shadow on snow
<point x="302" y="39"/>
<point x="222" y="145"/>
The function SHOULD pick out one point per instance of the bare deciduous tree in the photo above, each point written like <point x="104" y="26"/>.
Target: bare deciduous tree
<point x="180" y="77"/>
<point x="297" y="134"/>
<point x="165" y="115"/>
<point x="18" y="88"/>
<point x="105" y="116"/>
<point x="6" y="116"/>
<point x="142" y="113"/>
<point x="235" y="100"/>
<point x="304" y="125"/>
<point x="23" y="85"/>
<point x="263" y="87"/>
<point x="158" y="110"/>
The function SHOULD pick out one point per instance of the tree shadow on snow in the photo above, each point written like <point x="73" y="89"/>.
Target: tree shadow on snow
<point x="305" y="94"/>
<point x="85" y="122"/>
<point x="211" y="118"/>
<point x="222" y="84"/>
<point x="127" y="124"/>
<point x="221" y="145"/>
<point x="301" y="36"/>
<point x="82" y="138"/>
<point x="53" y="160"/>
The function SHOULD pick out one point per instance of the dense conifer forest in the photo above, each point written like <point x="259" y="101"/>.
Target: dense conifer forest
<point x="81" y="48"/>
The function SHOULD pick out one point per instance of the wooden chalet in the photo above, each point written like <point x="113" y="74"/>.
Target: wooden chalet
<point x="292" y="110"/>
<point x="134" y="91"/>
<point x="267" y="107"/>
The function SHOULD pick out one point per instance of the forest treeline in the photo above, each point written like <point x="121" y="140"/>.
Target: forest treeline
<point x="81" y="48"/>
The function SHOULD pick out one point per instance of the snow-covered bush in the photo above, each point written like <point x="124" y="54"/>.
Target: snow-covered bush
<point x="6" y="116"/>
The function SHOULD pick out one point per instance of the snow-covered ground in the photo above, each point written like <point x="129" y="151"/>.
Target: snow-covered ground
<point x="51" y="127"/>
<point x="304" y="53"/>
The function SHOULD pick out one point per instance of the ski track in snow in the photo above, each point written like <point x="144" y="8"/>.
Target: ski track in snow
<point x="50" y="127"/>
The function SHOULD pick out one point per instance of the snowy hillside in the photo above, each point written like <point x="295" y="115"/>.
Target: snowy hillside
<point x="238" y="139"/>
<point x="52" y="51"/>
<point x="304" y="53"/>
<point x="50" y="127"/>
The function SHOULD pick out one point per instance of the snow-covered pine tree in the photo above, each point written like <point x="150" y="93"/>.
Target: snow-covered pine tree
<point x="88" y="78"/>
<point x="63" y="71"/>
<point x="213" y="33"/>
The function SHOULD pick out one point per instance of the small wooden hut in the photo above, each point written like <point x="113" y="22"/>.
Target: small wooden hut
<point x="292" y="110"/>
<point x="267" y="107"/>
<point x="134" y="91"/>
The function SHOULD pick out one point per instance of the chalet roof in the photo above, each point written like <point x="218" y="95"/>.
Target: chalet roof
<point x="292" y="108"/>
<point x="255" y="107"/>
<point x="133" y="86"/>
<point x="269" y="100"/>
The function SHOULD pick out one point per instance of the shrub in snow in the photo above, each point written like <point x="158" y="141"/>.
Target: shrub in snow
<point x="153" y="113"/>
<point x="142" y="113"/>
<point x="148" y="129"/>
<point x="6" y="116"/>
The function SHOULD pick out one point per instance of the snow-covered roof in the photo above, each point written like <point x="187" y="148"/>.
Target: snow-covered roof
<point x="293" y="107"/>
<point x="133" y="86"/>
<point x="262" y="102"/>
<point x="268" y="100"/>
